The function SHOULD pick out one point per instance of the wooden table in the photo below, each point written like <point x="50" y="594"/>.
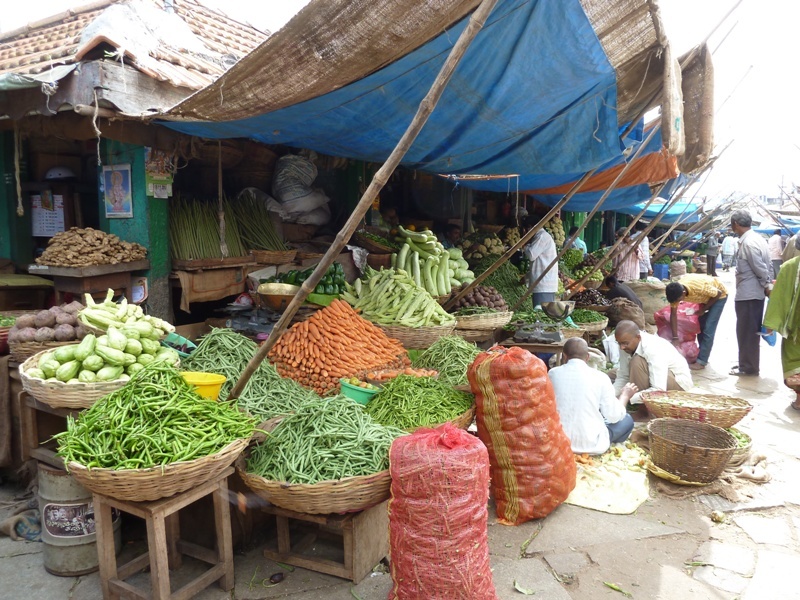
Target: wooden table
<point x="96" y="279"/>
<point x="556" y="348"/>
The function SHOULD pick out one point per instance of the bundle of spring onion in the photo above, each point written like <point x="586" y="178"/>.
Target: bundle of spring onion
<point x="393" y="298"/>
<point x="269" y="395"/>
<point x="222" y="351"/>
<point x="451" y="355"/>
<point x="154" y="420"/>
<point x="255" y="223"/>
<point x="409" y="402"/>
<point x="194" y="230"/>
<point x="324" y="441"/>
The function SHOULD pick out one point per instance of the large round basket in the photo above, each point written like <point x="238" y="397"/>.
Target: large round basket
<point x="695" y="452"/>
<point x="350" y="494"/>
<point x="592" y="285"/>
<point x="594" y="307"/>
<point x="487" y="321"/>
<point x="475" y="335"/>
<point x="22" y="351"/>
<point x="379" y="261"/>
<point x="274" y="257"/>
<point x="4" y="339"/>
<point x="64" y="395"/>
<point x="462" y="421"/>
<point x="570" y="332"/>
<point x="144" y="485"/>
<point x="593" y="327"/>
<point x="722" y="411"/>
<point x="371" y="245"/>
<point x="417" y="337"/>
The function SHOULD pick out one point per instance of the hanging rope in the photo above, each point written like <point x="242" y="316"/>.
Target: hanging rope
<point x="223" y="244"/>
<point x="17" y="142"/>
<point x="97" y="132"/>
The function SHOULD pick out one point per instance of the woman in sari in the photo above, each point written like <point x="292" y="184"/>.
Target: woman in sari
<point x="783" y="316"/>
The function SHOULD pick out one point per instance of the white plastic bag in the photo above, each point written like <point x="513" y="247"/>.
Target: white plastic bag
<point x="611" y="347"/>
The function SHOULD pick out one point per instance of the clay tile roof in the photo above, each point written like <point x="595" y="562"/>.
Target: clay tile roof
<point x="56" y="40"/>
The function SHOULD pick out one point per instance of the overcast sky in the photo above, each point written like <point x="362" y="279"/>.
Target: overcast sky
<point x="756" y="73"/>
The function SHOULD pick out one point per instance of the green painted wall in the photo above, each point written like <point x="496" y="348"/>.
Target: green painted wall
<point x="16" y="241"/>
<point x="149" y="225"/>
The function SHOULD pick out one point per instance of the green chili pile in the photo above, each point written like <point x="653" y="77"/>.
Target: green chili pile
<point x="323" y="441"/>
<point x="224" y="352"/>
<point x="154" y="420"/>
<point x="450" y="355"/>
<point x="742" y="439"/>
<point x="409" y="402"/>
<point x="269" y="395"/>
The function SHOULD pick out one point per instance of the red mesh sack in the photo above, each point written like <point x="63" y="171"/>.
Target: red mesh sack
<point x="532" y="464"/>
<point x="438" y="517"/>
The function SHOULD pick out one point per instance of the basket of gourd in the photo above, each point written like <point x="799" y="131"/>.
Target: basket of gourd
<point x="77" y="375"/>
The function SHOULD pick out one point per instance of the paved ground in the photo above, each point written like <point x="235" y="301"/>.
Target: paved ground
<point x="670" y="548"/>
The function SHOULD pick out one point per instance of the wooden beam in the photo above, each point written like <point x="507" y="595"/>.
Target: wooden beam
<point x="424" y="111"/>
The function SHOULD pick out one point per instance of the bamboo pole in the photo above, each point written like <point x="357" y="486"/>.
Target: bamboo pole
<point x="617" y="244"/>
<point x="593" y="212"/>
<point x="707" y="220"/>
<point x="424" y="111"/>
<point x="522" y="241"/>
<point x="680" y="218"/>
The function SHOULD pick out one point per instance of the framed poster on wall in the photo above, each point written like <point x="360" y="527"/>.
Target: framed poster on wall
<point x="47" y="214"/>
<point x="117" y="194"/>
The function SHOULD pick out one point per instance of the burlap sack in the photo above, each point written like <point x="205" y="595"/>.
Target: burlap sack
<point x="652" y="295"/>
<point x="623" y="309"/>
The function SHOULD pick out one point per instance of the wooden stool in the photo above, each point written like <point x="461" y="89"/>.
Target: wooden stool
<point x="364" y="534"/>
<point x="164" y="546"/>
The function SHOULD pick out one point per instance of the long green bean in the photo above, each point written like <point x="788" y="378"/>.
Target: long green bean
<point x="154" y="420"/>
<point x="326" y="440"/>
<point x="450" y="355"/>
<point x="269" y="395"/>
<point x="506" y="279"/>
<point x="408" y="402"/>
<point x="222" y="351"/>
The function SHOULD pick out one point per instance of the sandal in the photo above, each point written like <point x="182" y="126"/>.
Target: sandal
<point x="795" y="405"/>
<point x="739" y="373"/>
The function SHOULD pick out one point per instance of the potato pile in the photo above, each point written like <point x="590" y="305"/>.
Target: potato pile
<point x="483" y="295"/>
<point x="87" y="247"/>
<point x="57" y="324"/>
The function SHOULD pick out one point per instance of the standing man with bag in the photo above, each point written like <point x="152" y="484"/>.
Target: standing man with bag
<point x="712" y="251"/>
<point x="753" y="276"/>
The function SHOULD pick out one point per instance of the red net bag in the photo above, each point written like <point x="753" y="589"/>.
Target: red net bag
<point x="438" y="517"/>
<point x="532" y="464"/>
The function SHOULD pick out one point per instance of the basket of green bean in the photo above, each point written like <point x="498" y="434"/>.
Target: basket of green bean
<point x="153" y="438"/>
<point x="589" y="320"/>
<point x="329" y="456"/>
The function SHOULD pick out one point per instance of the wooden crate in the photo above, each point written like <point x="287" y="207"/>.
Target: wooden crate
<point x="364" y="540"/>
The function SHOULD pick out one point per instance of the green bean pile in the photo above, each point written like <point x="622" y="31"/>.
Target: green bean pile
<point x="584" y="315"/>
<point x="408" y="402"/>
<point x="506" y="279"/>
<point x="451" y="355"/>
<point x="154" y="420"/>
<point x="222" y="351"/>
<point x="269" y="395"/>
<point x="323" y="441"/>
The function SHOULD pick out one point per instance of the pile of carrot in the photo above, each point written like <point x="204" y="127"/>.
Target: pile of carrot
<point x="334" y="342"/>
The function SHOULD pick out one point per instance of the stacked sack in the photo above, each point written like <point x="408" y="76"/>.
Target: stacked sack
<point x="532" y="465"/>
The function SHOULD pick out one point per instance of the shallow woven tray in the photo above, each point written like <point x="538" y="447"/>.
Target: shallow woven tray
<point x="371" y="245"/>
<point x="569" y="332"/>
<point x="22" y="351"/>
<point x="274" y="257"/>
<point x="326" y="497"/>
<point x="487" y="321"/>
<point x="417" y="337"/>
<point x="144" y="485"/>
<point x="475" y="335"/>
<point x="592" y="327"/>
<point x="695" y="452"/>
<point x="64" y="395"/>
<point x="722" y="411"/>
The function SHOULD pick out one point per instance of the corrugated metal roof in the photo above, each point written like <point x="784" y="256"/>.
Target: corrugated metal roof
<point x="57" y="40"/>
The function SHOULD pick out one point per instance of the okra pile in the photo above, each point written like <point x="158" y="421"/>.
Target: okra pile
<point x="154" y="420"/>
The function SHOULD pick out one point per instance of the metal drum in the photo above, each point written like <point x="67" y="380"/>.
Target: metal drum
<point x="68" y="523"/>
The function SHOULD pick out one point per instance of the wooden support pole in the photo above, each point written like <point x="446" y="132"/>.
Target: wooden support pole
<point x="597" y="206"/>
<point x="424" y="111"/>
<point x="522" y="241"/>
<point x="707" y="220"/>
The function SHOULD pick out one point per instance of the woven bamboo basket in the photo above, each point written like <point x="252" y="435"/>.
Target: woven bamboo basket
<point x="487" y="321"/>
<point x="463" y="388"/>
<point x="593" y="327"/>
<point x="569" y="332"/>
<point x="64" y="395"/>
<point x="722" y="411"/>
<point x="695" y="452"/>
<point x="350" y="494"/>
<point x="592" y="285"/>
<point x="462" y="421"/>
<point x="274" y="257"/>
<point x="4" y="339"/>
<point x="145" y="485"/>
<point x="742" y="453"/>
<point x="301" y="256"/>
<point x="379" y="261"/>
<point x="475" y="335"/>
<point x="371" y="245"/>
<point x="594" y="307"/>
<point x="417" y="337"/>
<point x="22" y="351"/>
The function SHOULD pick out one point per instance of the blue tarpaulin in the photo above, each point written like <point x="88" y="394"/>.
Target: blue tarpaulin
<point x="685" y="212"/>
<point x="786" y="226"/>
<point x="535" y="95"/>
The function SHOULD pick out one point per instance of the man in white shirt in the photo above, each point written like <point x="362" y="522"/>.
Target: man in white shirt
<point x="541" y="251"/>
<point x="648" y="361"/>
<point x="775" y="247"/>
<point x="642" y="251"/>
<point x="590" y="413"/>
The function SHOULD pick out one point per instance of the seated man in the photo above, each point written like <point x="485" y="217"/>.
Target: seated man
<point x="617" y="289"/>
<point x="711" y="295"/>
<point x="649" y="362"/>
<point x="591" y="415"/>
